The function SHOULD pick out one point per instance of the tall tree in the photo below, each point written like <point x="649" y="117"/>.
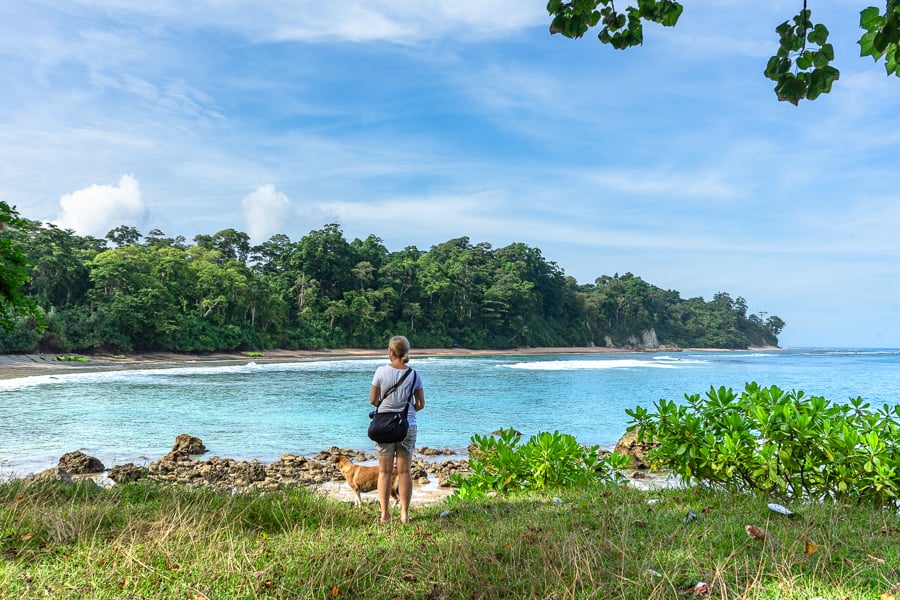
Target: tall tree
<point x="324" y="255"/>
<point x="124" y="235"/>
<point x="60" y="276"/>
<point x="133" y="308"/>
<point x="13" y="274"/>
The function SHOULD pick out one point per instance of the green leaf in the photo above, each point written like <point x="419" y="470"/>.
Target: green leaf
<point x="791" y="89"/>
<point x="818" y="35"/>
<point x="870" y="18"/>
<point x="867" y="46"/>
<point x="784" y="29"/>
<point x="558" y="25"/>
<point x="816" y="85"/>
<point x="670" y="19"/>
<point x="776" y="67"/>
<point x="892" y="63"/>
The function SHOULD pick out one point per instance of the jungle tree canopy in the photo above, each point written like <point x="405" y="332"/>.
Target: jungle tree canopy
<point x="130" y="292"/>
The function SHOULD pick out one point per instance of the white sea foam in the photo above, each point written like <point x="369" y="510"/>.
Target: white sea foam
<point x="679" y="360"/>
<point x="858" y="352"/>
<point x="580" y="365"/>
<point x="172" y="374"/>
<point x="664" y="361"/>
<point x="59" y="379"/>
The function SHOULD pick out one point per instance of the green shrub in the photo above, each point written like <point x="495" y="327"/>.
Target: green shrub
<point x="548" y="460"/>
<point x="785" y="444"/>
<point x="72" y="358"/>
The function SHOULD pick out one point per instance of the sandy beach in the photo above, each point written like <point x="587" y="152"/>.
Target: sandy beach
<point x="27" y="365"/>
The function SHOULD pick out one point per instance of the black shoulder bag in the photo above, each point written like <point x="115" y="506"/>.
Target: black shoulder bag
<point x="391" y="427"/>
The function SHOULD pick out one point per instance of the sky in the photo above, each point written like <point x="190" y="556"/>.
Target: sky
<point x="421" y="122"/>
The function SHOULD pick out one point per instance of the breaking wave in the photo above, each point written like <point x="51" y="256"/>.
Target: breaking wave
<point x="659" y="362"/>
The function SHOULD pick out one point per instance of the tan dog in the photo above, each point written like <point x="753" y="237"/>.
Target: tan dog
<point x="364" y="479"/>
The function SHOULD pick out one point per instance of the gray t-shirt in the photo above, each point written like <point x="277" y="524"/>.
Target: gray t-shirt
<point x="385" y="377"/>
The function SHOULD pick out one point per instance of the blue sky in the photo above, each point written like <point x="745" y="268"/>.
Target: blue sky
<point x="420" y="122"/>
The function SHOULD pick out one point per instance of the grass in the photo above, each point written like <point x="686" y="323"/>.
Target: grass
<point x="155" y="541"/>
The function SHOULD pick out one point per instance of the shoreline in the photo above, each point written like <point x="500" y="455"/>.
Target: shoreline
<point x="39" y="365"/>
<point x="15" y="366"/>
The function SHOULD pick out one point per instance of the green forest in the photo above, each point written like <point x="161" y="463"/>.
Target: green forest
<point x="131" y="292"/>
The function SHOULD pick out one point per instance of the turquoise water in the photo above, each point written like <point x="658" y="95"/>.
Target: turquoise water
<point x="262" y="411"/>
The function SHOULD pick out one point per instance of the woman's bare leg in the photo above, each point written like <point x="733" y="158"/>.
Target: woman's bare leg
<point x="385" y="469"/>
<point x="404" y="486"/>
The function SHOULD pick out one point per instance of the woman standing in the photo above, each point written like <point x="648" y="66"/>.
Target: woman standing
<point x="386" y="377"/>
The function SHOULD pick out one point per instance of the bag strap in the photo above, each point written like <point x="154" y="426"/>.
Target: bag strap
<point x="392" y="388"/>
<point x="411" y="394"/>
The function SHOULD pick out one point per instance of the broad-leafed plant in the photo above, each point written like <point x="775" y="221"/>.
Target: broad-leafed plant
<point x="499" y="463"/>
<point x="780" y="443"/>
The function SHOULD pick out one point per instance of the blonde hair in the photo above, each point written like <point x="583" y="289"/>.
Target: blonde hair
<point x="399" y="345"/>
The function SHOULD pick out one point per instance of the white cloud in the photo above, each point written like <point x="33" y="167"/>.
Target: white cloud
<point x="396" y="21"/>
<point x="267" y="212"/>
<point x="97" y="209"/>
<point x="665" y="183"/>
<point x="403" y="21"/>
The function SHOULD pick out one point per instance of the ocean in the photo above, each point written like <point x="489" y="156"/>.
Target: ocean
<point x="263" y="410"/>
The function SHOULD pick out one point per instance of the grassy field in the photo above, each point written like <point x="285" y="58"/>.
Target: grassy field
<point x="146" y="540"/>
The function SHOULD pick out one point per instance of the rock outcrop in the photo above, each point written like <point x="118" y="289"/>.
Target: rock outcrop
<point x="127" y="472"/>
<point x="444" y="470"/>
<point x="629" y="445"/>
<point x="79" y="463"/>
<point x="289" y="469"/>
<point x="51" y="474"/>
<point x="186" y="446"/>
<point x="179" y="467"/>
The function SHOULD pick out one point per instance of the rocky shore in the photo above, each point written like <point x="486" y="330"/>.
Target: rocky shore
<point x="181" y="466"/>
<point x="432" y="470"/>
